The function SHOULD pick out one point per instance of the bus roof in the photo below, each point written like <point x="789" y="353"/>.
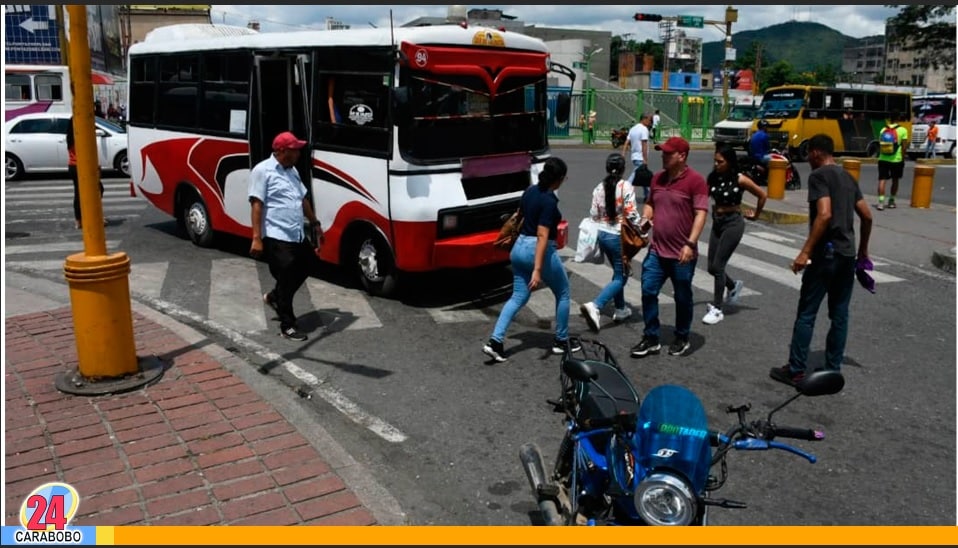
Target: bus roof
<point x="179" y="38"/>
<point x="827" y="88"/>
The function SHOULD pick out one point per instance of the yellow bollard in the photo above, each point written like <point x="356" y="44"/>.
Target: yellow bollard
<point x="776" y="178"/>
<point x="853" y="167"/>
<point x="922" y="185"/>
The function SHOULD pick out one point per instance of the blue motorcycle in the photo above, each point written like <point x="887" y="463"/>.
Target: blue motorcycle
<point x="626" y="463"/>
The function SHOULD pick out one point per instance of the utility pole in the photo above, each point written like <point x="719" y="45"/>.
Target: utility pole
<point x="731" y="16"/>
<point x="758" y="65"/>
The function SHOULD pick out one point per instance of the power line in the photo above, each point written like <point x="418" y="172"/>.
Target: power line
<point x="247" y="18"/>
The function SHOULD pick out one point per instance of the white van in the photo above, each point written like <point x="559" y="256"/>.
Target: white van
<point x="736" y="129"/>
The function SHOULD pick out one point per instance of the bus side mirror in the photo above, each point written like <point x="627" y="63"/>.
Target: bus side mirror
<point x="563" y="108"/>
<point x="401" y="108"/>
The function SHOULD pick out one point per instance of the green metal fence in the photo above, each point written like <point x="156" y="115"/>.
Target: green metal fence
<point x="691" y="116"/>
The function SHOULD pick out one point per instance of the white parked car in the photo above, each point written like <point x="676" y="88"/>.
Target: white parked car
<point x="37" y="143"/>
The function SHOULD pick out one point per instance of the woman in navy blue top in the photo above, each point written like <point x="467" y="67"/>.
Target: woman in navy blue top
<point x="535" y="259"/>
<point x="726" y="186"/>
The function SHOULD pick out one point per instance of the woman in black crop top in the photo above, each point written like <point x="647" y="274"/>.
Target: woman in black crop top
<point x="726" y="186"/>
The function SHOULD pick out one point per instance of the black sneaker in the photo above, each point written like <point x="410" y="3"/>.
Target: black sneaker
<point x="293" y="334"/>
<point x="270" y="301"/>
<point x="784" y="374"/>
<point x="494" y="350"/>
<point x="648" y="345"/>
<point x="678" y="347"/>
<point x="559" y="346"/>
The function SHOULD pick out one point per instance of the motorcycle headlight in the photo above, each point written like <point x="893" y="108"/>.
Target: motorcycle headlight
<point x="663" y="499"/>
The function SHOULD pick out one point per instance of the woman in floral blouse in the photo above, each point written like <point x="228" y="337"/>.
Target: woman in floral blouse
<point x="612" y="201"/>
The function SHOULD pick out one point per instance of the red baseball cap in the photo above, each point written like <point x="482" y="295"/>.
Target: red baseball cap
<point x="286" y="139"/>
<point x="674" y="144"/>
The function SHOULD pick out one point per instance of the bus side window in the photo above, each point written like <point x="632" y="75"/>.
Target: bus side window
<point x="49" y="87"/>
<point x="17" y="87"/>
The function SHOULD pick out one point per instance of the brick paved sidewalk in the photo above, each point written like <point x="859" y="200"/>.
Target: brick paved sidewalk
<point x="199" y="447"/>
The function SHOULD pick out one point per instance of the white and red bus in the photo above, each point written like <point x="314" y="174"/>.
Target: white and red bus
<point x="32" y="89"/>
<point x="439" y="131"/>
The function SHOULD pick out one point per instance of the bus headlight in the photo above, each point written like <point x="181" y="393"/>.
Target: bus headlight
<point x="663" y="499"/>
<point x="449" y="222"/>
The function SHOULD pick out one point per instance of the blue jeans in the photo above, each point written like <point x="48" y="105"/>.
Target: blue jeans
<point x="553" y="275"/>
<point x="611" y="246"/>
<point x="834" y="278"/>
<point x="655" y="270"/>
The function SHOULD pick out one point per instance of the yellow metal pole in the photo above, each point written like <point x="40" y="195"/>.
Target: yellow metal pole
<point x="776" y="179"/>
<point x="853" y="167"/>
<point x="99" y="285"/>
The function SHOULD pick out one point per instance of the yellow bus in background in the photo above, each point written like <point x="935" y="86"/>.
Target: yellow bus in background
<point x="853" y="118"/>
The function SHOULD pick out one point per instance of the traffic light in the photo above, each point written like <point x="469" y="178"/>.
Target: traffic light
<point x="647" y="17"/>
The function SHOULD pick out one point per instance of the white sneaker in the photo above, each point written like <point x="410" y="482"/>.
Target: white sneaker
<point x="622" y="314"/>
<point x="735" y="292"/>
<point x="591" y="315"/>
<point x="713" y="316"/>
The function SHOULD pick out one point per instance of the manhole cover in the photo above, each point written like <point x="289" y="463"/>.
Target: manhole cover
<point x="17" y="234"/>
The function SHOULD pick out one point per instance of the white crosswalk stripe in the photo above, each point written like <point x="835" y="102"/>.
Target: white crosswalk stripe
<point x="52" y="201"/>
<point x="237" y="284"/>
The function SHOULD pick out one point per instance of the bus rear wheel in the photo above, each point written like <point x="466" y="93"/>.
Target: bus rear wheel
<point x="375" y="265"/>
<point x="803" y="152"/>
<point x="196" y="221"/>
<point x="872" y="150"/>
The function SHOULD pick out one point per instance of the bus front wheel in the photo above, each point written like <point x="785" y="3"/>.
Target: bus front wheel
<point x="196" y="220"/>
<point x="872" y="150"/>
<point x="375" y="265"/>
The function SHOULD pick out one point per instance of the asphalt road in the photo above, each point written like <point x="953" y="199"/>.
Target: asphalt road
<point x="403" y="386"/>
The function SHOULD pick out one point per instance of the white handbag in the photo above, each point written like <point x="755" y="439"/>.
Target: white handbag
<point x="587" y="248"/>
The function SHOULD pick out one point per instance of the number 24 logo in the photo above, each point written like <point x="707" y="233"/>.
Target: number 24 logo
<point x="49" y="507"/>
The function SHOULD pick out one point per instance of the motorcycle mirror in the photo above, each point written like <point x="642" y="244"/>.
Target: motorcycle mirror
<point x="821" y="383"/>
<point x="579" y="370"/>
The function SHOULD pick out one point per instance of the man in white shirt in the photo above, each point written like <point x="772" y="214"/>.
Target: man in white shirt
<point x="656" y="119"/>
<point x="638" y="142"/>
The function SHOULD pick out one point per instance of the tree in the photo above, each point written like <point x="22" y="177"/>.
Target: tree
<point x="781" y="73"/>
<point x="624" y="44"/>
<point x="926" y="28"/>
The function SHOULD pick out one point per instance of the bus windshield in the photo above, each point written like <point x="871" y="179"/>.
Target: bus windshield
<point x="449" y="117"/>
<point x="785" y="103"/>
<point x="933" y="109"/>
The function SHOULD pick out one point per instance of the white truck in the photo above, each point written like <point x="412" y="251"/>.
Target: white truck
<point x="736" y="129"/>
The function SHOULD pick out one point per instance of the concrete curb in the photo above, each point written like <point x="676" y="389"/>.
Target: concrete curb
<point x="782" y="218"/>
<point x="944" y="260"/>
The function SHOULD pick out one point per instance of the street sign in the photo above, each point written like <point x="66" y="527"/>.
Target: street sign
<point x="693" y="21"/>
<point x="579" y="64"/>
<point x="32" y="35"/>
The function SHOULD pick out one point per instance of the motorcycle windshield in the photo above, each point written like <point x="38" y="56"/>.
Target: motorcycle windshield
<point x="672" y="434"/>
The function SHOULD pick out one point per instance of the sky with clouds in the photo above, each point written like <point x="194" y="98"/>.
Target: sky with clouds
<point x="856" y="21"/>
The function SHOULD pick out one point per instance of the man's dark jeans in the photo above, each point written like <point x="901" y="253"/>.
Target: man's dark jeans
<point x="834" y="278"/>
<point x="289" y="264"/>
<point x="655" y="270"/>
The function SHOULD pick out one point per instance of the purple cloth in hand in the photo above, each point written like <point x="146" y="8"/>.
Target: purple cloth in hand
<point x="864" y="263"/>
<point x="865" y="279"/>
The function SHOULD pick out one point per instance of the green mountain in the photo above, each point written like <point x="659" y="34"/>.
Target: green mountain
<point x="803" y="44"/>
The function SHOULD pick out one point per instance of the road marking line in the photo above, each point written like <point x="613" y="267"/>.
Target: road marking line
<point x="790" y="253"/>
<point x="340" y="305"/>
<point x="235" y="298"/>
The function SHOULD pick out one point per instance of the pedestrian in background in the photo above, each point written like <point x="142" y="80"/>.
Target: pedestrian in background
<point x="638" y="143"/>
<point x="613" y="202"/>
<point x="828" y="259"/>
<point x="656" y="121"/>
<point x="75" y="177"/>
<point x="279" y="208"/>
<point x="726" y="187"/>
<point x="678" y="205"/>
<point x="891" y="165"/>
<point x="932" y="139"/>
<point x="535" y="260"/>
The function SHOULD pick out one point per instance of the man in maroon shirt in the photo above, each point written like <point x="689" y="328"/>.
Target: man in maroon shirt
<point x="678" y="203"/>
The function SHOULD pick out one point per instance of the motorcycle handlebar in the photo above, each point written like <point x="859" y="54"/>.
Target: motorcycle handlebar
<point x="755" y="444"/>
<point x="798" y="433"/>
